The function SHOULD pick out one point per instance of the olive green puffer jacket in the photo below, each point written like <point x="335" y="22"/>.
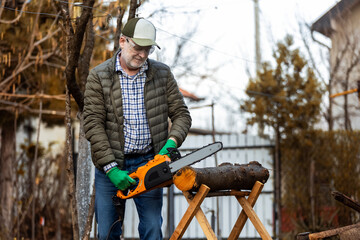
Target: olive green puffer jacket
<point x="103" y="112"/>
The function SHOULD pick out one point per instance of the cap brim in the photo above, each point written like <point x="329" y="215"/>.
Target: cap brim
<point x="144" y="42"/>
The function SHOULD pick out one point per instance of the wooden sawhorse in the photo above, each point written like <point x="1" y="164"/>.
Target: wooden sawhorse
<point x="247" y="204"/>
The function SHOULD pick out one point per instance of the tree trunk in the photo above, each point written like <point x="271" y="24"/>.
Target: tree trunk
<point x="70" y="168"/>
<point x="312" y="192"/>
<point x="346" y="113"/>
<point x="133" y="7"/>
<point x="277" y="166"/>
<point x="83" y="178"/>
<point x="88" y="225"/>
<point x="61" y="188"/>
<point x="6" y="178"/>
<point x="85" y="57"/>
<point x="118" y="28"/>
<point x="330" y="117"/>
<point x="224" y="177"/>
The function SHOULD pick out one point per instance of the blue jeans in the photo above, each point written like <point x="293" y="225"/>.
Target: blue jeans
<point x="148" y="205"/>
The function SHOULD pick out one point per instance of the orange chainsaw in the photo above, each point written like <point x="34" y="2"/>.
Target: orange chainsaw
<point x="159" y="172"/>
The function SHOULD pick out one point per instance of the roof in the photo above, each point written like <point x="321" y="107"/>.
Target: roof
<point x="323" y="24"/>
<point x="189" y="95"/>
<point x="199" y="131"/>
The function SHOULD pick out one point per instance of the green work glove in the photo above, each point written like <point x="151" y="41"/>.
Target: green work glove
<point x="169" y="144"/>
<point x="120" y="179"/>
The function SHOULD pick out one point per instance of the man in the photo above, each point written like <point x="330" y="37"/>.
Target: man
<point x="128" y="100"/>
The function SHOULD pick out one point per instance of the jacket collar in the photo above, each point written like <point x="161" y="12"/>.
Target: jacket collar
<point x="149" y="71"/>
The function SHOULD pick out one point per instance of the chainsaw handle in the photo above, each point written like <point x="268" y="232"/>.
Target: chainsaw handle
<point x="140" y="174"/>
<point x="139" y="188"/>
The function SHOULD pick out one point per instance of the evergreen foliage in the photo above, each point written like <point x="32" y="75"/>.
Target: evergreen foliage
<point x="286" y="97"/>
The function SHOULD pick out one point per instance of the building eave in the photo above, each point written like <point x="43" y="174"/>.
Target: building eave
<point x="190" y="96"/>
<point x="323" y="24"/>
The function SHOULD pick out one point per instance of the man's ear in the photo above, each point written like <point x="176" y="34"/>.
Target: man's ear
<point x="122" y="41"/>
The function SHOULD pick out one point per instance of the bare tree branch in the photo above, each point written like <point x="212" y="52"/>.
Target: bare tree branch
<point x="19" y="68"/>
<point x="307" y="47"/>
<point x="317" y="41"/>
<point x="26" y="108"/>
<point x="118" y="28"/>
<point x="24" y="63"/>
<point x="74" y="42"/>
<point x="38" y="96"/>
<point x="15" y="19"/>
<point x="133" y="7"/>
<point x="85" y="58"/>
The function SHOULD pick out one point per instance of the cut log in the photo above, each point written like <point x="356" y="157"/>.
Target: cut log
<point x="224" y="177"/>
<point x="346" y="200"/>
<point x="332" y="232"/>
<point x="351" y="234"/>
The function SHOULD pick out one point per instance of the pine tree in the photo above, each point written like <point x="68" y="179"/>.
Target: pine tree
<point x="286" y="97"/>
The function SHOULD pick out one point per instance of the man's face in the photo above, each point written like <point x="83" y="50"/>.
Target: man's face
<point x="133" y="55"/>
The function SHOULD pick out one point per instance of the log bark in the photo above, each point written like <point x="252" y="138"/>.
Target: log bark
<point x="341" y="232"/>
<point x="346" y="200"/>
<point x="224" y="177"/>
<point x="351" y="234"/>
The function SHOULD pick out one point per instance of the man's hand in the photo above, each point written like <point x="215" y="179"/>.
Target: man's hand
<point x="120" y="178"/>
<point x="170" y="143"/>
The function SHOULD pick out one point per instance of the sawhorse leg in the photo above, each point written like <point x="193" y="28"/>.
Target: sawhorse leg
<point x="193" y="209"/>
<point x="248" y="212"/>
<point x="201" y="218"/>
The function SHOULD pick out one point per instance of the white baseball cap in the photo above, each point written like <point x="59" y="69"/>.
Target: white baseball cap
<point x="141" y="31"/>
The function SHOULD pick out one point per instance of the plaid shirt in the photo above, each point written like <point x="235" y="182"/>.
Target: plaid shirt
<point x="136" y="127"/>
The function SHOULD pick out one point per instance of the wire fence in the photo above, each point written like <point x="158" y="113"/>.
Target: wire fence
<point x="313" y="166"/>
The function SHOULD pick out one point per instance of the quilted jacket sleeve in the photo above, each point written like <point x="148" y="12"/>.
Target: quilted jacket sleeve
<point x="178" y="111"/>
<point x="94" y="121"/>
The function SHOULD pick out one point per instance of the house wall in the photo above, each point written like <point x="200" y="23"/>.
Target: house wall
<point x="53" y="137"/>
<point x="346" y="38"/>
